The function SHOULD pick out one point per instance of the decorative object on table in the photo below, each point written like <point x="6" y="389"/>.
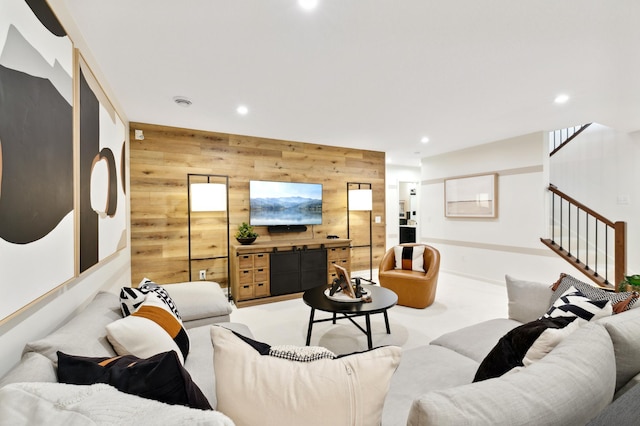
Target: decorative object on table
<point x="207" y="193"/>
<point x="343" y="291"/>
<point x="471" y="196"/>
<point x="340" y="296"/>
<point x="246" y="234"/>
<point x="360" y="198"/>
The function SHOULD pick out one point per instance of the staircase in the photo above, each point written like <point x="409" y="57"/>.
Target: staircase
<point x="587" y="240"/>
<point x="559" y="138"/>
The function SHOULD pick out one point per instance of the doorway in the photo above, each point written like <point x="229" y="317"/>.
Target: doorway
<point x="408" y="211"/>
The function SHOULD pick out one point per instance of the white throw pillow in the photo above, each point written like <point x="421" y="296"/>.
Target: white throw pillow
<point x="255" y="389"/>
<point x="409" y="258"/>
<point x="150" y="330"/>
<point x="548" y="340"/>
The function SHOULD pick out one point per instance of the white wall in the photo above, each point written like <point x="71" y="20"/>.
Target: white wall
<point x="600" y="169"/>
<point x="54" y="309"/>
<point x="393" y="176"/>
<point x="487" y="249"/>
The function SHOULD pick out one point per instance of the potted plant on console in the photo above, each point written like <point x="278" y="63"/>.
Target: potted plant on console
<point x="246" y="234"/>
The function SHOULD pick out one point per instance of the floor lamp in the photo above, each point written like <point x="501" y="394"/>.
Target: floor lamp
<point x="360" y="198"/>
<point x="206" y="193"/>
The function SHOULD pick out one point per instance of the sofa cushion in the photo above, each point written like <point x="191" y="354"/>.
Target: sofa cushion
<point x="528" y="300"/>
<point x="84" y="333"/>
<point x="423" y="369"/>
<point x="199" y="363"/>
<point x="160" y="377"/>
<point x="199" y="299"/>
<point x="623" y="411"/>
<point x="260" y="389"/>
<point x="621" y="301"/>
<point x="475" y="341"/>
<point x="624" y="330"/>
<point x="553" y="391"/>
<point x="33" y="367"/>
<point x="410" y="258"/>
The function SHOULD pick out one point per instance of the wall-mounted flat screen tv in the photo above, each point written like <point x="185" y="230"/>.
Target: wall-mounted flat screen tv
<point x="285" y="203"/>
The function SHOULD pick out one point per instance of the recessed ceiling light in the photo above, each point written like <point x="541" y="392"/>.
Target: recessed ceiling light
<point x="182" y="101"/>
<point x="308" y="4"/>
<point x="561" y="99"/>
<point x="424" y="139"/>
<point x="242" y="110"/>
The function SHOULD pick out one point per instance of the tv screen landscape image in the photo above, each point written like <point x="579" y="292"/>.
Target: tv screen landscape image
<point x="285" y="203"/>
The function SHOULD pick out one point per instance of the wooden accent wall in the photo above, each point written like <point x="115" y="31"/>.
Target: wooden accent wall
<point x="159" y="167"/>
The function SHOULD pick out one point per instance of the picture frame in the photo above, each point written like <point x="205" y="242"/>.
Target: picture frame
<point x="402" y="210"/>
<point x="473" y="196"/>
<point x="345" y="281"/>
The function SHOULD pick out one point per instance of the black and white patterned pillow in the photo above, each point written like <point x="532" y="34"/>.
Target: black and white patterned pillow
<point x="132" y="298"/>
<point x="289" y="352"/>
<point x="148" y="286"/>
<point x="301" y="353"/>
<point x="574" y="303"/>
<point x="620" y="301"/>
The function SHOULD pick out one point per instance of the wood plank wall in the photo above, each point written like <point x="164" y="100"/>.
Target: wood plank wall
<point x="159" y="218"/>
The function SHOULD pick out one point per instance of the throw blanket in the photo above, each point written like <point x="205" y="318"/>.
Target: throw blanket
<point x="100" y="404"/>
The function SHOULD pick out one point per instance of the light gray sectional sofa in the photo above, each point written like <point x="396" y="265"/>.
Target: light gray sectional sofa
<point x="432" y="385"/>
<point x="569" y="386"/>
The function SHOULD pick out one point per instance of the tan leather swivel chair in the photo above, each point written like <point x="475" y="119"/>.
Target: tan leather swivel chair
<point x="414" y="289"/>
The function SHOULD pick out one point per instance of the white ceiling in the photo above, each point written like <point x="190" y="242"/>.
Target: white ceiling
<point x="370" y="74"/>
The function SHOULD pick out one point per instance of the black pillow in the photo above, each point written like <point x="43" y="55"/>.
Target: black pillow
<point x="160" y="377"/>
<point x="510" y="350"/>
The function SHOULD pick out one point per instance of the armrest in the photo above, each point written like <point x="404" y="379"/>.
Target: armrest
<point x="387" y="262"/>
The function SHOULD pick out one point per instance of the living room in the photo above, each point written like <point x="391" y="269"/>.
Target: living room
<point x="602" y="176"/>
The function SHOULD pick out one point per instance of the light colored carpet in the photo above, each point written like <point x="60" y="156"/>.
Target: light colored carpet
<point x="459" y="302"/>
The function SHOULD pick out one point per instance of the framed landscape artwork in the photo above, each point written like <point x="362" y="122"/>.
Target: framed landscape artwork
<point x="471" y="196"/>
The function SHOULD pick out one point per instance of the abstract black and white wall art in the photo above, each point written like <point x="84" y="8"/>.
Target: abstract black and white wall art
<point x="54" y="223"/>
<point x="36" y="153"/>
<point x="102" y="164"/>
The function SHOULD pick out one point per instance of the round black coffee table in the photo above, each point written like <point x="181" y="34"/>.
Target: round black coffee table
<point x="381" y="300"/>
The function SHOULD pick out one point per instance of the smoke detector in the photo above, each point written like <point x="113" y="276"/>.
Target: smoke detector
<point x="182" y="101"/>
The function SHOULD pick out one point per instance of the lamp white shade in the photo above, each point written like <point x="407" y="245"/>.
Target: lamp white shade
<point x="360" y="199"/>
<point x="208" y="197"/>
